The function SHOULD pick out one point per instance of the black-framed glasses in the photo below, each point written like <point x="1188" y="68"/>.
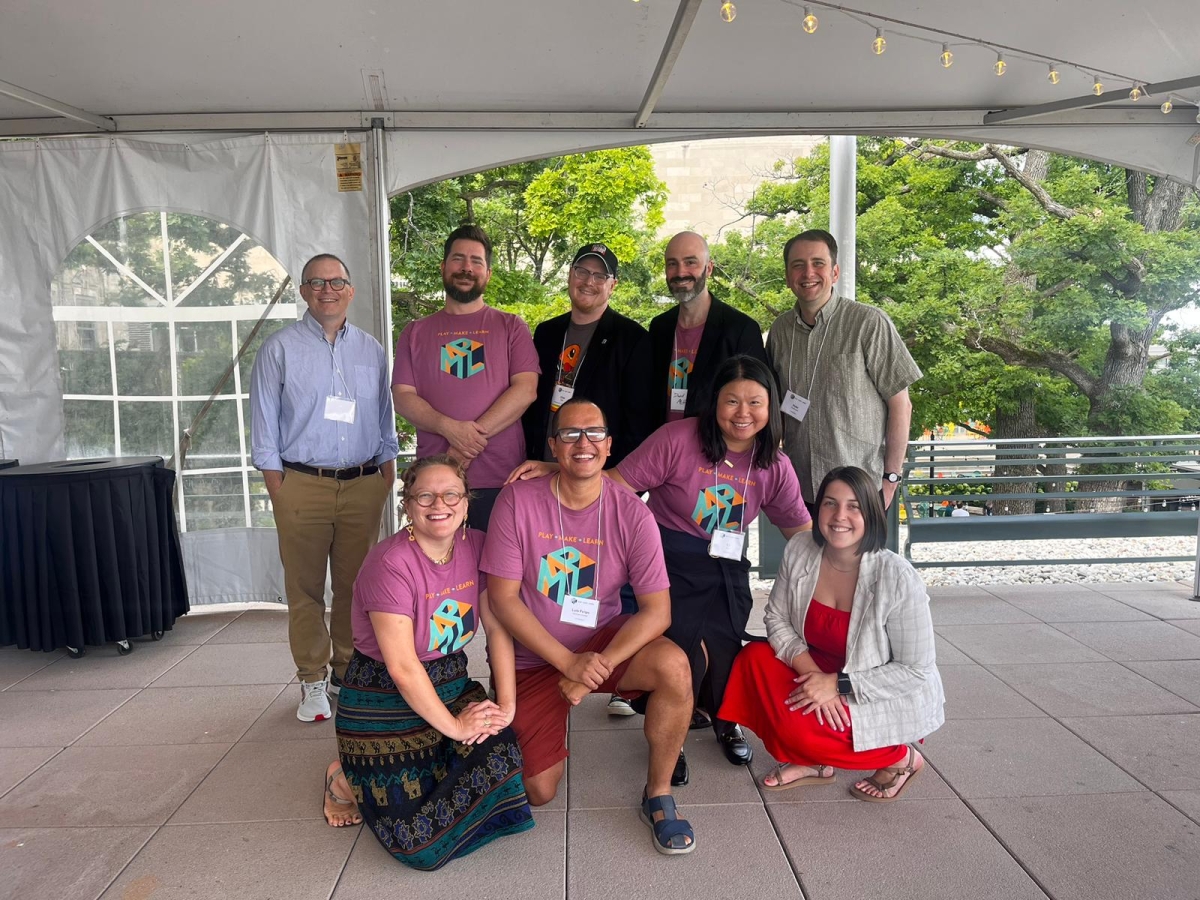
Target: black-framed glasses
<point x="572" y="435"/>
<point x="583" y="273"/>
<point x="426" y="499"/>
<point x="318" y="284"/>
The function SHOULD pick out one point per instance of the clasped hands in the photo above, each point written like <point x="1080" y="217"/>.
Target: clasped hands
<point x="585" y="673"/>
<point x="481" y="720"/>
<point x="467" y="439"/>
<point x="817" y="692"/>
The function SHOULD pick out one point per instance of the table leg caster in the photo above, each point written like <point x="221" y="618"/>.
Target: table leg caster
<point x="156" y="635"/>
<point x="76" y="652"/>
<point x="124" y="648"/>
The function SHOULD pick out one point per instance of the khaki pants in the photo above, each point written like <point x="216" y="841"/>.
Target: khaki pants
<point x="323" y="522"/>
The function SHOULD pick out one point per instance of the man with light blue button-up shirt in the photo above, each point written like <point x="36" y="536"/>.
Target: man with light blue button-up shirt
<point x="323" y="432"/>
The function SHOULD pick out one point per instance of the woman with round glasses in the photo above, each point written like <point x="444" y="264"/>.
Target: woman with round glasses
<point x="850" y="638"/>
<point x="708" y="477"/>
<point x="425" y="757"/>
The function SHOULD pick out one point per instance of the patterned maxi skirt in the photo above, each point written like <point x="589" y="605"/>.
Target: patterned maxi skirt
<point x="428" y="799"/>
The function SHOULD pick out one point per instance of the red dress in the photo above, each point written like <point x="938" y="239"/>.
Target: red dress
<point x="756" y="698"/>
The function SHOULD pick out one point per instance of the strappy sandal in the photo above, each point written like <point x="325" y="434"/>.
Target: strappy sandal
<point x="897" y="772"/>
<point x="356" y="815"/>
<point x="781" y="785"/>
<point x="671" y="835"/>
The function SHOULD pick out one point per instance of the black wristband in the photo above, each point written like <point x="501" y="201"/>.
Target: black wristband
<point x="843" y="684"/>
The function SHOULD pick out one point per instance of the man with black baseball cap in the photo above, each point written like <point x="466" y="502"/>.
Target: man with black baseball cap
<point x="592" y="352"/>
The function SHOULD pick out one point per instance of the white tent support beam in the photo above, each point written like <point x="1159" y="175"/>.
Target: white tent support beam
<point x="684" y="16"/>
<point x="843" y="208"/>
<point x="49" y="103"/>
<point x="1161" y="89"/>
<point x="382" y="237"/>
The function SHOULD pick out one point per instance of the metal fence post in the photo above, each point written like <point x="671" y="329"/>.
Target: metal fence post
<point x="1196" y="570"/>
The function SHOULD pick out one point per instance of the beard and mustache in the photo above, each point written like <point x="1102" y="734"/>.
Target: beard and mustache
<point x="460" y="295"/>
<point x="688" y="294"/>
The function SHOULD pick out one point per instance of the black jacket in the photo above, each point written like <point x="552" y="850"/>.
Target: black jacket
<point x="615" y="375"/>
<point x="727" y="332"/>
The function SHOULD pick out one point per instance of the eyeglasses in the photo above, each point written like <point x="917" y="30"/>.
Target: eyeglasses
<point x="318" y="284"/>
<point x="426" y="499"/>
<point x="585" y="274"/>
<point x="572" y="435"/>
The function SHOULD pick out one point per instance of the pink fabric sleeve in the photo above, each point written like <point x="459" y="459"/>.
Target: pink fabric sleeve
<point x="402" y="370"/>
<point x="522" y="355"/>
<point x="783" y="503"/>
<point x="385" y="588"/>
<point x="651" y="463"/>
<point x="502" y="549"/>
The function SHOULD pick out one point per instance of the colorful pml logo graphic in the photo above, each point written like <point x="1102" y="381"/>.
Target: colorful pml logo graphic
<point x="451" y="626"/>
<point x="567" y="571"/>
<point x="680" y="370"/>
<point x="720" y="506"/>
<point x="462" y="358"/>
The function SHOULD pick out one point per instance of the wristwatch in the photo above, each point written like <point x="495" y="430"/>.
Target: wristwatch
<point x="843" y="684"/>
<point x="891" y="477"/>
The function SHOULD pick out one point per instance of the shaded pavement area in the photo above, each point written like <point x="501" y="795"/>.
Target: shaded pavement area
<point x="1068" y="767"/>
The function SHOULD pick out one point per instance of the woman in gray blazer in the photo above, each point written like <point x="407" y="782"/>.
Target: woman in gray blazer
<point x="848" y="680"/>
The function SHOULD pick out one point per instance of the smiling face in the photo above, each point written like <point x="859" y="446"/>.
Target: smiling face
<point x="327" y="306"/>
<point x="811" y="274"/>
<point x="743" y="410"/>
<point x="840" y="519"/>
<point x="465" y="271"/>
<point x="583" y="459"/>
<point x="687" y="267"/>
<point x="439" y="521"/>
<point x="589" y="296"/>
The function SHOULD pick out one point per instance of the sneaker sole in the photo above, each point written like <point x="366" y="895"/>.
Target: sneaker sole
<point x="621" y="711"/>
<point x="314" y="718"/>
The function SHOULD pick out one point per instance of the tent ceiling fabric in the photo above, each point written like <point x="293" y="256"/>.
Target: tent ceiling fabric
<point x="570" y="65"/>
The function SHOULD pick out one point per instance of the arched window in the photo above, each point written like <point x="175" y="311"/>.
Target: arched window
<point x="149" y="311"/>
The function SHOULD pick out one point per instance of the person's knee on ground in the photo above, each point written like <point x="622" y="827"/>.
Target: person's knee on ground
<point x="541" y="788"/>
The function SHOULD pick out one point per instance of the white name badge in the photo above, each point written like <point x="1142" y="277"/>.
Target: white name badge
<point x="583" y="611"/>
<point x="726" y="544"/>
<point x="795" y="406"/>
<point x="562" y="393"/>
<point x="678" y="399"/>
<point x="339" y="409"/>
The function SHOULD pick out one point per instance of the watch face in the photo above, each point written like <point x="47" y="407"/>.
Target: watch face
<point x="891" y="477"/>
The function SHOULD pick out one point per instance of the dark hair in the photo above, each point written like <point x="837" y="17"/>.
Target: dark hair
<point x="408" y="476"/>
<point x="766" y="442"/>
<point x="321" y="256"/>
<point x="575" y="401"/>
<point x="469" y="232"/>
<point x="870" y="503"/>
<point x="813" y="234"/>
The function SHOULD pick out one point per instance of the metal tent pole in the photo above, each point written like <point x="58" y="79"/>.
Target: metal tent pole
<point x="381" y="233"/>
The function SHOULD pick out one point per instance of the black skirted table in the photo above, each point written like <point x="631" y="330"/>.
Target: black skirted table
<point x="89" y="553"/>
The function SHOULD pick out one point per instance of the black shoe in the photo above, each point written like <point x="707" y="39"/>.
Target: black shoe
<point x="682" y="774"/>
<point x="733" y="742"/>
<point x="700" y="720"/>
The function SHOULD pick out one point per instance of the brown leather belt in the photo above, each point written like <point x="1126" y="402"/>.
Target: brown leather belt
<point x="346" y="474"/>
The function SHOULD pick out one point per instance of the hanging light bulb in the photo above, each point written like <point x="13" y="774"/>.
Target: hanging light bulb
<point x="1136" y="93"/>
<point x="1097" y="88"/>
<point x="880" y="42"/>
<point x="1052" y="76"/>
<point x="946" y="57"/>
<point x="1167" y="106"/>
<point x="728" y="11"/>
<point x="1001" y="66"/>
<point x="810" y="21"/>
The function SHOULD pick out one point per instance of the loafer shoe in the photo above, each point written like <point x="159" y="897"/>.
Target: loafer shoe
<point x="682" y="774"/>
<point x="733" y="743"/>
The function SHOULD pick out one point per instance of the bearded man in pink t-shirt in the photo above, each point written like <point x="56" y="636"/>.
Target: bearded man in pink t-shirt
<point x="559" y="551"/>
<point x="465" y="375"/>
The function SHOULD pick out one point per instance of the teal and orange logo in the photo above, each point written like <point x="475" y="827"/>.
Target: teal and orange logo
<point x="451" y="626"/>
<point x="719" y="506"/>
<point x="462" y="358"/>
<point x="679" y="372"/>
<point x="567" y="571"/>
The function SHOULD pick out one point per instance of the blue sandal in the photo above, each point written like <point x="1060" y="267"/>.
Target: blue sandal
<point x="671" y="834"/>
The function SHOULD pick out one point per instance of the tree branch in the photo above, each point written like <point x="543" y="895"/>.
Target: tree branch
<point x="1016" y="355"/>
<point x="1040" y="194"/>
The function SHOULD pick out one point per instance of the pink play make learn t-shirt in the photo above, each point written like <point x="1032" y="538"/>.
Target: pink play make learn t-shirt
<point x="686" y="495"/>
<point x="442" y="601"/>
<point x="460" y="365"/>
<point x="598" y="550"/>
<point x="683" y="360"/>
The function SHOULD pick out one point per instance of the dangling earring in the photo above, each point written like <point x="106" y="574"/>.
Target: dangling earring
<point x="409" y="528"/>
<point x="464" y="530"/>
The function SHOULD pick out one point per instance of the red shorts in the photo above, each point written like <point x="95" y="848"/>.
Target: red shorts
<point x="541" y="719"/>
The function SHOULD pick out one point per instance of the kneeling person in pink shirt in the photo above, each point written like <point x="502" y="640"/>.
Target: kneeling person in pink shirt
<point x="558" y="551"/>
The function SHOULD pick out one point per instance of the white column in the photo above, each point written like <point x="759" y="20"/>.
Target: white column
<point x="381" y="236"/>
<point x="843" y="186"/>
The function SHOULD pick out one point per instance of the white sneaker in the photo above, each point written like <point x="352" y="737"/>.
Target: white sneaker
<point x="619" y="706"/>
<point x="314" y="705"/>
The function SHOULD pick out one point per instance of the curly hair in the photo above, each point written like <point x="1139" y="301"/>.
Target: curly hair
<point x="408" y="477"/>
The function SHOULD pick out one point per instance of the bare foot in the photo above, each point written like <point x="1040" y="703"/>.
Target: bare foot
<point x="786" y="774"/>
<point x="340" y="808"/>
<point x="887" y="783"/>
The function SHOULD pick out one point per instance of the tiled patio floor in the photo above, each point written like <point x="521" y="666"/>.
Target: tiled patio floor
<point x="1068" y="767"/>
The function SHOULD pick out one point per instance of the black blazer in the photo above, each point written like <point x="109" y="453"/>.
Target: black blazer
<point x="614" y="375"/>
<point x="727" y="332"/>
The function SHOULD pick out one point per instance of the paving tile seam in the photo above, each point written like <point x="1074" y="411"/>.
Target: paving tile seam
<point x="787" y="853"/>
<point x="1193" y="817"/>
<point x="135" y="855"/>
<point x="1125" y="664"/>
<point x="49" y="759"/>
<point x="345" y="862"/>
<point x="316" y="817"/>
<point x="1132" y="775"/>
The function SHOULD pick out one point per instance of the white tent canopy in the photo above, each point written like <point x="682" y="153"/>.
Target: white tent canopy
<point x="231" y="110"/>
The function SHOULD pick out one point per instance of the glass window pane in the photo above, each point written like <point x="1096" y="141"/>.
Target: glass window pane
<point x="137" y="242"/>
<point x="88" y="427"/>
<point x="143" y="358"/>
<point x="204" y="351"/>
<point x="146" y="428"/>
<point x="214" y="442"/>
<point x="260" y="504"/>
<point x="249" y="275"/>
<point x="214" y="501"/>
<point x="83" y="358"/>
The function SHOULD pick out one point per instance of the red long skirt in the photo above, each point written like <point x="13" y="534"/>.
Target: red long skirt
<point x="756" y="697"/>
